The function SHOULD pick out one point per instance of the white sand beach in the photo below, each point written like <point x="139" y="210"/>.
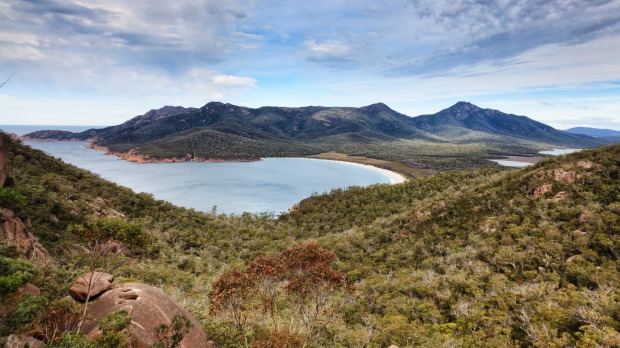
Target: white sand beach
<point x="394" y="177"/>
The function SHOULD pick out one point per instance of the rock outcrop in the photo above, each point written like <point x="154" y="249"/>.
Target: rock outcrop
<point x="541" y="190"/>
<point x="29" y="289"/>
<point x="90" y="285"/>
<point x="148" y="308"/>
<point x="14" y="230"/>
<point x="21" y="341"/>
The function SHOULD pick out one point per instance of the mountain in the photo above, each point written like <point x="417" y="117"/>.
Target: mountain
<point x="96" y="133"/>
<point x="481" y="258"/>
<point x="607" y="134"/>
<point x="226" y="131"/>
<point x="466" y="122"/>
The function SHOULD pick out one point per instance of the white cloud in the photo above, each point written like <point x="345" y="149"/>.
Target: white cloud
<point x="328" y="52"/>
<point x="234" y="81"/>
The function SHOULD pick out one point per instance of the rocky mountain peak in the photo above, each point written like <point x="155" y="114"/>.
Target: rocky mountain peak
<point x="376" y="108"/>
<point x="463" y="110"/>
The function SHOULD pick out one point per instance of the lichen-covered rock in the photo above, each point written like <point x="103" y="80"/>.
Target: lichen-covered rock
<point x="20" y="233"/>
<point x="541" y="190"/>
<point x="90" y="285"/>
<point x="148" y="308"/>
<point x="21" y="341"/>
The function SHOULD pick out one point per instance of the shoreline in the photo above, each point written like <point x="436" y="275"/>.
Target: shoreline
<point x="132" y="156"/>
<point x="394" y="177"/>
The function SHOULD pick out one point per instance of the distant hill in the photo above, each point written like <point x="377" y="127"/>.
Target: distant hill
<point x="607" y="134"/>
<point x="225" y="131"/>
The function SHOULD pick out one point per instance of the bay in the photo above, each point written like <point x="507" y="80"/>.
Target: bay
<point x="271" y="185"/>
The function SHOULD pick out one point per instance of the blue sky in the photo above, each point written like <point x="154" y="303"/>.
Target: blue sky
<point x="93" y="62"/>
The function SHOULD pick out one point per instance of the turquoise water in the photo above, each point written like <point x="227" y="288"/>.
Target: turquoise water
<point x="271" y="185"/>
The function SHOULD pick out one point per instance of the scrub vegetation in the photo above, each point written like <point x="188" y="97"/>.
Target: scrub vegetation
<point x="481" y="257"/>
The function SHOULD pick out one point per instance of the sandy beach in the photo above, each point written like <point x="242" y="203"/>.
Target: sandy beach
<point x="394" y="177"/>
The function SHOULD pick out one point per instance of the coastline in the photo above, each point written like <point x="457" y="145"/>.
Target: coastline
<point x="395" y="178"/>
<point x="132" y="156"/>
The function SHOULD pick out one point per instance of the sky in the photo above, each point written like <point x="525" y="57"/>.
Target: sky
<point x="96" y="62"/>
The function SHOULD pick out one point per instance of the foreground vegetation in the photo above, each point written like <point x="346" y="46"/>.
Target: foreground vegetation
<point x="476" y="258"/>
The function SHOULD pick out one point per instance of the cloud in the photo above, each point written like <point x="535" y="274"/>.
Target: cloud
<point x="324" y="51"/>
<point x="171" y="36"/>
<point x="329" y="52"/>
<point x="234" y="81"/>
<point x="475" y="31"/>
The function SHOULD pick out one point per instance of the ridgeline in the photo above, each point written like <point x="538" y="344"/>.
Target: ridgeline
<point x="461" y="136"/>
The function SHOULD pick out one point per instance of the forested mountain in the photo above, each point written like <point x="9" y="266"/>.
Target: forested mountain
<point x="467" y="122"/>
<point x="483" y="258"/>
<point x="608" y="134"/>
<point x="225" y="131"/>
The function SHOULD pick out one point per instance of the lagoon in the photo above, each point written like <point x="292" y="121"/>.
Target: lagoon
<point x="271" y="185"/>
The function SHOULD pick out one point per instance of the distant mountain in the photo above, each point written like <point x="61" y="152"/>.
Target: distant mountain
<point x="465" y="121"/>
<point x="98" y="133"/>
<point x="607" y="134"/>
<point x="225" y="131"/>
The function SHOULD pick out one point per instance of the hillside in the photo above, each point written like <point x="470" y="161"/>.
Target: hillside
<point x="466" y="122"/>
<point x="475" y="258"/>
<point x="460" y="136"/>
<point x="607" y="134"/>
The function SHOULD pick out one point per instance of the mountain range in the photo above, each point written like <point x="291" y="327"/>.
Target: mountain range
<point x="219" y="131"/>
<point x="607" y="134"/>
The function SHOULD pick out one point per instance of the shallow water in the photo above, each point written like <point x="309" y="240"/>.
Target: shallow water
<point x="557" y="152"/>
<point x="515" y="164"/>
<point x="270" y="185"/>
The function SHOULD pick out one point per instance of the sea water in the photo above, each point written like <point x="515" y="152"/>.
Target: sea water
<point x="270" y="185"/>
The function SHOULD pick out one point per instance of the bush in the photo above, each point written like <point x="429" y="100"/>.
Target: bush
<point x="14" y="273"/>
<point x="61" y="316"/>
<point x="29" y="309"/>
<point x="10" y="198"/>
<point x="71" y="340"/>
<point x="115" y="321"/>
<point x="131" y="234"/>
<point x="170" y="336"/>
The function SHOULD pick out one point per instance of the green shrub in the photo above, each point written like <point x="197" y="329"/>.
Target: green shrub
<point x="10" y="197"/>
<point x="14" y="273"/>
<point x="131" y="234"/>
<point x="29" y="309"/>
<point x="71" y="340"/>
<point x="112" y="340"/>
<point x="115" y="322"/>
